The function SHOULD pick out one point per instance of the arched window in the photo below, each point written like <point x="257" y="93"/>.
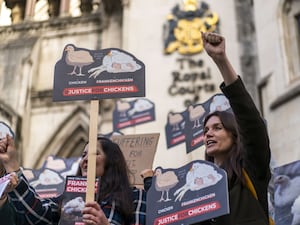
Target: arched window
<point x="291" y="28"/>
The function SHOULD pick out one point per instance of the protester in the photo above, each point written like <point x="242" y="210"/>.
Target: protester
<point x="8" y="216"/>
<point x="238" y="143"/>
<point x="117" y="203"/>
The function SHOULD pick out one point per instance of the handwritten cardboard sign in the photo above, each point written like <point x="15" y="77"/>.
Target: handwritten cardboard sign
<point x="83" y="74"/>
<point x="139" y="152"/>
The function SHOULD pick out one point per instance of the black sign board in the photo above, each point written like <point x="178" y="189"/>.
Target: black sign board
<point x="83" y="74"/>
<point x="195" y="192"/>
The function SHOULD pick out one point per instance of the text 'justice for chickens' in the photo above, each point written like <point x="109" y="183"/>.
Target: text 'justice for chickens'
<point x="99" y="90"/>
<point x="195" y="211"/>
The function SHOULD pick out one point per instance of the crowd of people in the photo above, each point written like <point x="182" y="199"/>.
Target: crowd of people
<point x="237" y="142"/>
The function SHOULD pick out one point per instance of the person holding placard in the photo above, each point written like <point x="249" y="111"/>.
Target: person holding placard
<point x="8" y="215"/>
<point x="117" y="202"/>
<point x="238" y="143"/>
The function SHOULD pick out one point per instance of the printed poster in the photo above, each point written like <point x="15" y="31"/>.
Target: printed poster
<point x="195" y="118"/>
<point x="195" y="192"/>
<point x="286" y="181"/>
<point x="83" y="74"/>
<point x="74" y="200"/>
<point x="49" y="180"/>
<point x="47" y="183"/>
<point x="175" y="128"/>
<point x="132" y="113"/>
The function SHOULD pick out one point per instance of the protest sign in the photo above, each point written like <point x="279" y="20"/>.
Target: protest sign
<point x="195" y="192"/>
<point x="83" y="74"/>
<point x="132" y="113"/>
<point x="139" y="151"/>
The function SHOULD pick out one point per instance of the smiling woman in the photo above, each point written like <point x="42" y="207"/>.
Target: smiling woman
<point x="237" y="142"/>
<point x="221" y="136"/>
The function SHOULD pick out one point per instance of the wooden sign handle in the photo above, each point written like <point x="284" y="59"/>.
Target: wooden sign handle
<point x="92" y="153"/>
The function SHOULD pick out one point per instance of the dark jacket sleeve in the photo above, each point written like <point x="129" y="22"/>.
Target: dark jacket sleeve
<point x="252" y="127"/>
<point x="254" y="137"/>
<point x="37" y="210"/>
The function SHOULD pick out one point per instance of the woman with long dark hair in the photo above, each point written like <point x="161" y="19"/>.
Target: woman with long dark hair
<point x="117" y="202"/>
<point x="115" y="187"/>
<point x="232" y="161"/>
<point x="238" y="142"/>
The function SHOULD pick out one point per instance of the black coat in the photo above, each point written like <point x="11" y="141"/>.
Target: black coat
<point x="244" y="208"/>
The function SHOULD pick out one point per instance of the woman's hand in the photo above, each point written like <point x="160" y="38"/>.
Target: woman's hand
<point x="8" y="154"/>
<point x="93" y="214"/>
<point x="214" y="45"/>
<point x="12" y="183"/>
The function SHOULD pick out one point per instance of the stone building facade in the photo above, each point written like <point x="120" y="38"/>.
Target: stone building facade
<point x="262" y="42"/>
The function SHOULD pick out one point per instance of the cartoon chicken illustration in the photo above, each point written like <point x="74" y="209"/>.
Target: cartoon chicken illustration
<point x="74" y="206"/>
<point x="139" y="106"/>
<point x="47" y="177"/>
<point x="122" y="107"/>
<point x="199" y="176"/>
<point x="219" y="103"/>
<point x="195" y="113"/>
<point x="174" y="120"/>
<point x="164" y="182"/>
<point x="115" y="62"/>
<point x="79" y="58"/>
